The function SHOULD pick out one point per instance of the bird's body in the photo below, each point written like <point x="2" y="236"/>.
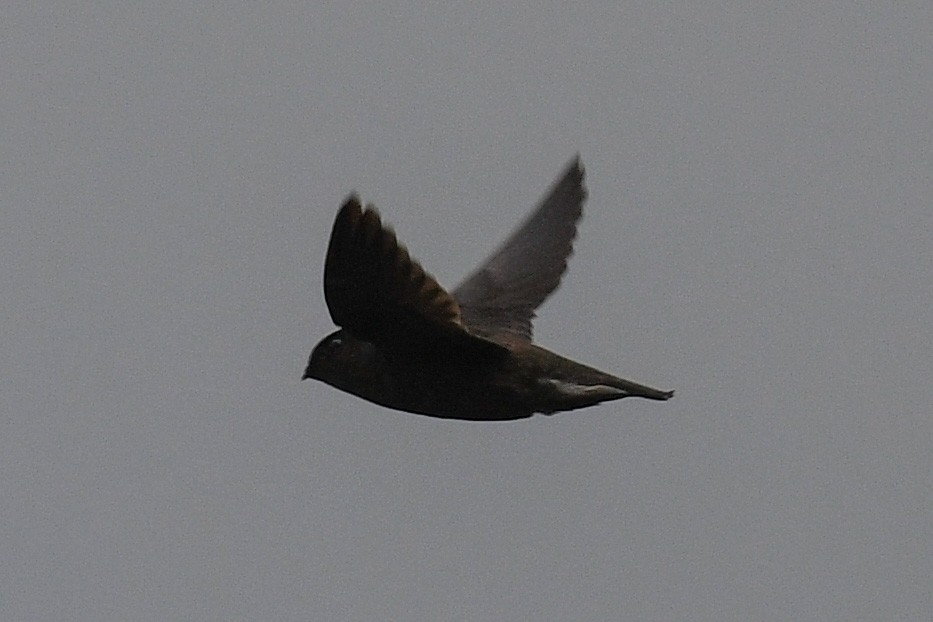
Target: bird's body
<point x="522" y="381"/>
<point x="409" y="345"/>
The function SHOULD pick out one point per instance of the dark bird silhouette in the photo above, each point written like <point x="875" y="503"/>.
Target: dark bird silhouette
<point x="408" y="344"/>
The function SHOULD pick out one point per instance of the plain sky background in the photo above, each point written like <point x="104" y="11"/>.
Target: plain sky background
<point x="759" y="237"/>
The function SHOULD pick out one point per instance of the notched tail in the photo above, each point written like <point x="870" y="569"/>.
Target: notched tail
<point x="633" y="389"/>
<point x="566" y="395"/>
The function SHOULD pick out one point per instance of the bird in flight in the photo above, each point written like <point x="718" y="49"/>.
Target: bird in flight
<point x="407" y="343"/>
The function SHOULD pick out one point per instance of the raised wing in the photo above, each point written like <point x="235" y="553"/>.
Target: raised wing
<point x="377" y="292"/>
<point x="499" y="299"/>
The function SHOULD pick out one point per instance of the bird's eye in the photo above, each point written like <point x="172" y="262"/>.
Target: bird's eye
<point x="332" y="346"/>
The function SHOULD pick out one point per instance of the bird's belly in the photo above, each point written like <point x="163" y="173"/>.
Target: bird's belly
<point x="453" y="393"/>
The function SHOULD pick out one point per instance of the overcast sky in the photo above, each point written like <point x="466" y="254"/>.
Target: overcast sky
<point x="759" y="237"/>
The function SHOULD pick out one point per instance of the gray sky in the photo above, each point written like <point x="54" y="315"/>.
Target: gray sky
<point x="759" y="236"/>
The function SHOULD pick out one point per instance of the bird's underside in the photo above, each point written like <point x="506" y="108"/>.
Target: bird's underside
<point x="523" y="381"/>
<point x="408" y="344"/>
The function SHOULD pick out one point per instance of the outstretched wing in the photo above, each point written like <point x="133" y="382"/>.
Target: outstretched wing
<point x="499" y="299"/>
<point x="377" y="292"/>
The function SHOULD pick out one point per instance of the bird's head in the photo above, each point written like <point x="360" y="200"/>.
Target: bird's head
<point x="342" y="361"/>
<point x="327" y="358"/>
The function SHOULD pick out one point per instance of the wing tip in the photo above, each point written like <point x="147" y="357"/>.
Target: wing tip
<point x="575" y="166"/>
<point x="352" y="202"/>
<point x="353" y="216"/>
<point x="574" y="174"/>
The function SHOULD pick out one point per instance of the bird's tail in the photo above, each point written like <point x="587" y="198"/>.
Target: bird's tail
<point x="633" y="389"/>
